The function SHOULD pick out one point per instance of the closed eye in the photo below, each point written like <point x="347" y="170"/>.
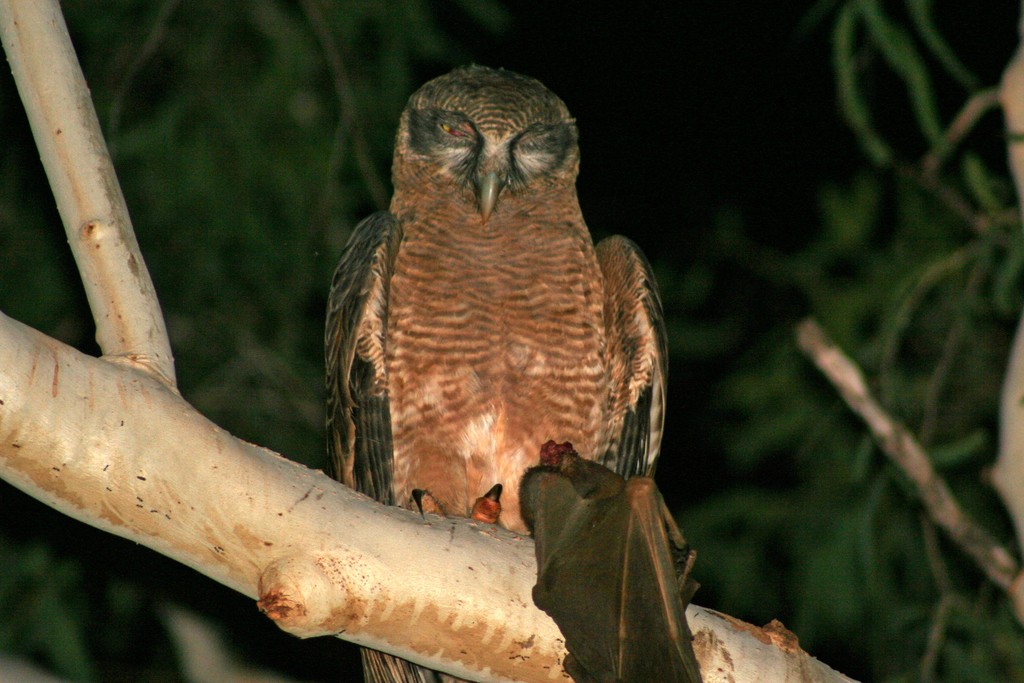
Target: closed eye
<point x="541" y="149"/>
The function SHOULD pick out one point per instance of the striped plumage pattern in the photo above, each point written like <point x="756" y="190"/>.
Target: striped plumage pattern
<point x="460" y="338"/>
<point x="495" y="99"/>
<point x="495" y="344"/>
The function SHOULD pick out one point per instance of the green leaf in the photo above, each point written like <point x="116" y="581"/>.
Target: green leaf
<point x="980" y="182"/>
<point x="852" y="101"/>
<point x="897" y="47"/>
<point x="921" y="15"/>
<point x="960" y="451"/>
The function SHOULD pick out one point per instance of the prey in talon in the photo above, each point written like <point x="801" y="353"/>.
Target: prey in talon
<point x="613" y="570"/>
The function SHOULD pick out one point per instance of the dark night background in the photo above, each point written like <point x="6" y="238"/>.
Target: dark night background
<point x="711" y="135"/>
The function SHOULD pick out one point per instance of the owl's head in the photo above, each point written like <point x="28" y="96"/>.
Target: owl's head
<point x="487" y="132"/>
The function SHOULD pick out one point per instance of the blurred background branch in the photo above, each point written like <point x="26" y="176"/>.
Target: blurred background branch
<point x="909" y="456"/>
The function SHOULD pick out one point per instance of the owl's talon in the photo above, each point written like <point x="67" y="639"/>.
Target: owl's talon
<point x="487" y="507"/>
<point x="426" y="502"/>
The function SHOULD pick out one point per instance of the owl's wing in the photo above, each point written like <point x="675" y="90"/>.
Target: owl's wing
<point x="637" y="357"/>
<point x="358" y="410"/>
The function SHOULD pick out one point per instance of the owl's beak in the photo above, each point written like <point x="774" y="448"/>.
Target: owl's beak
<point x="487" y="191"/>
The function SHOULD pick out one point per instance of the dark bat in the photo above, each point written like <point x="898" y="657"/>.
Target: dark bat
<point x="612" y="571"/>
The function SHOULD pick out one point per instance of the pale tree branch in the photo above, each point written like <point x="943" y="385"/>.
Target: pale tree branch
<point x="1008" y="472"/>
<point x="113" y="445"/>
<point x="129" y="325"/>
<point x="907" y="453"/>
<point x="81" y="435"/>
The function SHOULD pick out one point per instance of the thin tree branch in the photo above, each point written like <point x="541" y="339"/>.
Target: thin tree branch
<point x="906" y="453"/>
<point x="950" y="350"/>
<point x="981" y="222"/>
<point x="142" y="55"/>
<point x="936" y="637"/>
<point x="348" y="121"/>
<point x="963" y="123"/>
<point x="940" y="616"/>
<point x="930" y="278"/>
<point x="129" y="325"/>
<point x="1008" y="472"/>
<point x="1011" y="97"/>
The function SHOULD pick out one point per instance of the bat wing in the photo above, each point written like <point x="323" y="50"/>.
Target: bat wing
<point x="609" y="557"/>
<point x="653" y="614"/>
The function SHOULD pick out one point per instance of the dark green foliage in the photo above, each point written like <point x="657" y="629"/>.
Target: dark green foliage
<point x="915" y="271"/>
<point x="43" y="610"/>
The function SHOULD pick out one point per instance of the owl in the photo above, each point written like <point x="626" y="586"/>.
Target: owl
<point x="476" y="320"/>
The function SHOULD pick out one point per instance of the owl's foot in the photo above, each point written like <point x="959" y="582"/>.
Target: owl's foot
<point x="487" y="507"/>
<point x="426" y="502"/>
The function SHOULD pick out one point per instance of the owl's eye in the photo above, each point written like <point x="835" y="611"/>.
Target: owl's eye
<point x="455" y="132"/>
<point x="541" y="149"/>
